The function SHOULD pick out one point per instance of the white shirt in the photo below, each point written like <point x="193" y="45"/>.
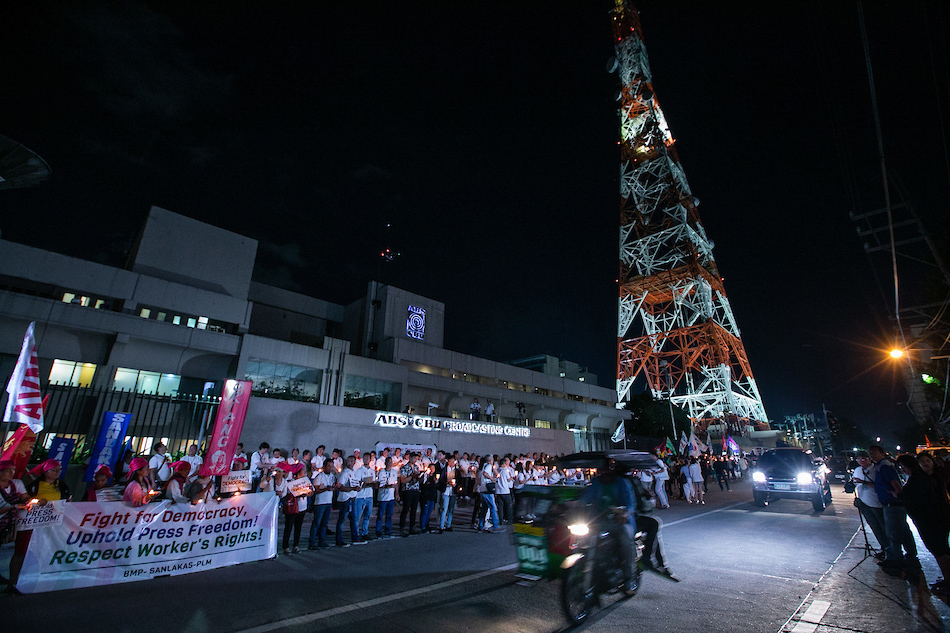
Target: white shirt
<point x="425" y="460"/>
<point x="464" y="465"/>
<point x="490" y="409"/>
<point x="362" y="473"/>
<point x="451" y="472"/>
<point x="380" y="463"/>
<point x="160" y="463"/>
<point x="325" y="480"/>
<point x="503" y="483"/>
<point x="386" y="477"/>
<point x="338" y="464"/>
<point x="866" y="492"/>
<point x="257" y="461"/>
<point x="317" y="461"/>
<point x="18" y="489"/>
<point x="696" y="473"/>
<point x="487" y="474"/>
<point x="196" y="463"/>
<point x="348" y="479"/>
<point x="660" y="472"/>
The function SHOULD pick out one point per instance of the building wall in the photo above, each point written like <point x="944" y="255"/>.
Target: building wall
<point x="289" y="424"/>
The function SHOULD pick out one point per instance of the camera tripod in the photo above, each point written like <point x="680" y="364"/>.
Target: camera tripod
<point x="868" y="550"/>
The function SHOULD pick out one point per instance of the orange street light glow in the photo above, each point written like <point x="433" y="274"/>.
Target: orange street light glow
<point x="897" y="353"/>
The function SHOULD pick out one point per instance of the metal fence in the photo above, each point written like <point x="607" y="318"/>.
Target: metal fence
<point x="176" y="420"/>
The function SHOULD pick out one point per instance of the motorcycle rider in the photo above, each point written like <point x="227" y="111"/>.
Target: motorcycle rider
<point x="611" y="492"/>
<point x="650" y="526"/>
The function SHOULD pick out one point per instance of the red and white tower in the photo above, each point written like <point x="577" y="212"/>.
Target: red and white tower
<point x="686" y="343"/>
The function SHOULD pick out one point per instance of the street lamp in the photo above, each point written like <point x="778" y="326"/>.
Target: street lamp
<point x="898" y="447"/>
<point x="879" y="440"/>
<point x="897" y="353"/>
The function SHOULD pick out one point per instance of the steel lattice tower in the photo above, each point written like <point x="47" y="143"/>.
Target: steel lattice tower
<point x="689" y="348"/>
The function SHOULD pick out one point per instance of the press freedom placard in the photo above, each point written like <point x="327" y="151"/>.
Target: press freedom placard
<point x="107" y="543"/>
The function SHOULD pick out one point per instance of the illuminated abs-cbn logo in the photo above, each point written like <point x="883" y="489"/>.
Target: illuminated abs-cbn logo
<point x="416" y="323"/>
<point x="425" y="423"/>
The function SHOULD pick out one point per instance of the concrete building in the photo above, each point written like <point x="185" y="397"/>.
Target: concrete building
<point x="160" y="337"/>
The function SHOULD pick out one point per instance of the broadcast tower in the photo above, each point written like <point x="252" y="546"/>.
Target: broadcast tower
<point x="687" y="345"/>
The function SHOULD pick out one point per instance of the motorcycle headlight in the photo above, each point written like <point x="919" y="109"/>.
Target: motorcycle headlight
<point x="804" y="478"/>
<point x="579" y="529"/>
<point x="758" y="476"/>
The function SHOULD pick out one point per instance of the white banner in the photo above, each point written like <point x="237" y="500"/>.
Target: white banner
<point x="36" y="516"/>
<point x="300" y="487"/>
<point x="107" y="543"/>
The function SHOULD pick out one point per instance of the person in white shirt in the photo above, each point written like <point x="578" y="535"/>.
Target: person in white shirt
<point x="158" y="465"/>
<point x="867" y="501"/>
<point x="363" y="503"/>
<point x="503" y="490"/>
<point x="386" y="481"/>
<point x="294" y="458"/>
<point x="174" y="489"/>
<point x="348" y="485"/>
<point x="661" y="475"/>
<point x="696" y="476"/>
<point x="398" y="460"/>
<point x="318" y="459"/>
<point x="239" y="462"/>
<point x="476" y="410"/>
<point x="337" y="458"/>
<point x="260" y="464"/>
<point x="555" y="477"/>
<point x="486" y="476"/>
<point x="426" y="459"/>
<point x="489" y="411"/>
<point x="323" y="484"/>
<point x="195" y="461"/>
<point x="464" y="465"/>
<point x="381" y="460"/>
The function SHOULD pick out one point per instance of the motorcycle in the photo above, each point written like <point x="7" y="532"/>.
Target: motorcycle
<point x="594" y="568"/>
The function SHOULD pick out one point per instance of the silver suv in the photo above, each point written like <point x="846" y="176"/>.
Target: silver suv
<point x="790" y="473"/>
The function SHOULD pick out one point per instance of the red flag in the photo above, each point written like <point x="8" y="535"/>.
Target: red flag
<point x="24" y="405"/>
<point x="227" y="427"/>
<point x="19" y="448"/>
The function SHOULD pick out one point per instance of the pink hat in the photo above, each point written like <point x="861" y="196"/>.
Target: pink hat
<point x="240" y="458"/>
<point x="181" y="465"/>
<point x="284" y="466"/>
<point x="105" y="470"/>
<point x="296" y="468"/>
<point x="43" y="467"/>
<point x="7" y="463"/>
<point x="138" y="463"/>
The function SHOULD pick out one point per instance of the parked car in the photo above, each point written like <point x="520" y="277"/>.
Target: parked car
<point x="839" y="470"/>
<point x="790" y="473"/>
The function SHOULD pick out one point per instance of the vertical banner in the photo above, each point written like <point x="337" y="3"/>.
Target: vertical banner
<point x="61" y="449"/>
<point x="19" y="448"/>
<point x="109" y="443"/>
<point x="227" y="426"/>
<point x="25" y="404"/>
<point x="91" y="544"/>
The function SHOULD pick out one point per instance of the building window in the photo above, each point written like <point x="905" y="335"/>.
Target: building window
<point x="277" y="380"/>
<point x="67" y="372"/>
<point x="542" y="424"/>
<point x="151" y="382"/>
<point x="368" y="393"/>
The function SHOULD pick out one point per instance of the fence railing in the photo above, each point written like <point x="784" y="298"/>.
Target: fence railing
<point x="77" y="413"/>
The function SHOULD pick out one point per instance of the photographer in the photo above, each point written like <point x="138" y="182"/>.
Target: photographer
<point x="867" y="502"/>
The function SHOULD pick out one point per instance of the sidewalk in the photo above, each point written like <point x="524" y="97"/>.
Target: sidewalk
<point x="867" y="600"/>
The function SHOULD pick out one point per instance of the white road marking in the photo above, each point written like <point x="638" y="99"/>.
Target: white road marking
<point x="812" y="617"/>
<point x="702" y="514"/>
<point x="329" y="613"/>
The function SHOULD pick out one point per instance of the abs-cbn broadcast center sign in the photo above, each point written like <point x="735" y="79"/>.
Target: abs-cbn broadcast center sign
<point x="425" y="423"/>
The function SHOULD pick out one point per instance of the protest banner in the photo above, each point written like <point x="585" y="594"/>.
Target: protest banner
<point x="110" y="493"/>
<point x="227" y="426"/>
<point x="107" y="543"/>
<point x="109" y="443"/>
<point x="36" y="516"/>
<point x="236" y="481"/>
<point x="300" y="487"/>
<point x="61" y="449"/>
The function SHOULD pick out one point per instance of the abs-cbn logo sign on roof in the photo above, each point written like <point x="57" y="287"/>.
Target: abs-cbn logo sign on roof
<point x="425" y="423"/>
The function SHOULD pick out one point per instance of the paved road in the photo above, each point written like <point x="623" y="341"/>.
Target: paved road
<point x="743" y="569"/>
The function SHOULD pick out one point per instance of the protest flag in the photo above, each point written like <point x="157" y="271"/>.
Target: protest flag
<point x="24" y="402"/>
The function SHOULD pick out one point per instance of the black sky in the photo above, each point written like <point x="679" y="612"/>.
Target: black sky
<point x="485" y="135"/>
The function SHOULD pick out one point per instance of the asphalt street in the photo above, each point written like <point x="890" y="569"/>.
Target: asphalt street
<point x="743" y="568"/>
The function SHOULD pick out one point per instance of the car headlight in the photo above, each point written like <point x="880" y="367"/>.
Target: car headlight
<point x="579" y="529"/>
<point x="759" y="477"/>
<point x="805" y="478"/>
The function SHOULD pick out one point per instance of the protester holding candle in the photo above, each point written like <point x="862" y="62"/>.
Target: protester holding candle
<point x="45" y="488"/>
<point x="12" y="497"/>
<point x="100" y="480"/>
<point x="201" y="490"/>
<point x="138" y="492"/>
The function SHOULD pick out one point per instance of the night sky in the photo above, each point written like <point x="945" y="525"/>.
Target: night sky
<point x="479" y="140"/>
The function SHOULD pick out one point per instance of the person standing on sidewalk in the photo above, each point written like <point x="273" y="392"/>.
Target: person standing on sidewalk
<point x="887" y="485"/>
<point x="448" y="483"/>
<point x="363" y="504"/>
<point x="348" y="485"/>
<point x="867" y="502"/>
<point x="925" y="498"/>
<point x="386" y="480"/>
<point x="323" y="485"/>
